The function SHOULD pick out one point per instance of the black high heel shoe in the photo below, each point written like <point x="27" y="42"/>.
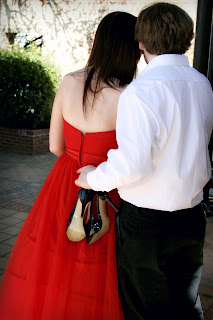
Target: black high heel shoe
<point x="104" y="196"/>
<point x="100" y="225"/>
<point x="76" y="229"/>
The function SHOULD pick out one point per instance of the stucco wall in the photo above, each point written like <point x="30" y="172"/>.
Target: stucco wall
<point x="68" y="27"/>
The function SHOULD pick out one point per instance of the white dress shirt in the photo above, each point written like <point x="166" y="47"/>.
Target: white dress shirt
<point x="164" y="123"/>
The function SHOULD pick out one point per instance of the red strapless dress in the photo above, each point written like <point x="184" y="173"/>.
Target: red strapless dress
<point x="47" y="276"/>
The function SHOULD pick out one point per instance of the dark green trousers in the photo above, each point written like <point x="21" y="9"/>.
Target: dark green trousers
<point x="159" y="261"/>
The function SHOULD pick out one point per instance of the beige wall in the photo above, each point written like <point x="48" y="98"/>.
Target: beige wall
<point x="68" y="26"/>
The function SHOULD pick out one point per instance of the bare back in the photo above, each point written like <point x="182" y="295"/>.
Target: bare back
<point x="100" y="115"/>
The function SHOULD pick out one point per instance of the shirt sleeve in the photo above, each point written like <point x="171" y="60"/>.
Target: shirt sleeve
<point x="136" y="131"/>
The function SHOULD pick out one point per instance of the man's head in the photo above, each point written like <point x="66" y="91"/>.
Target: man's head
<point x="164" y="28"/>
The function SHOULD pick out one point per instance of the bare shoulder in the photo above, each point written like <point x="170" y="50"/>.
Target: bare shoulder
<point x="73" y="81"/>
<point x="79" y="75"/>
<point x="114" y="91"/>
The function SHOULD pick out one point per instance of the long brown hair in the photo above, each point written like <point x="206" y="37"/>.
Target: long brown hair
<point x="114" y="54"/>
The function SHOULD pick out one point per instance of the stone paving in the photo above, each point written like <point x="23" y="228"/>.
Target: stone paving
<point x="21" y="178"/>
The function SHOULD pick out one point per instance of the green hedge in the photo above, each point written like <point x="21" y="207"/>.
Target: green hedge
<point x="28" y="83"/>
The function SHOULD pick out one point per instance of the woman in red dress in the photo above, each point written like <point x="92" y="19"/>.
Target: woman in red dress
<point x="49" y="277"/>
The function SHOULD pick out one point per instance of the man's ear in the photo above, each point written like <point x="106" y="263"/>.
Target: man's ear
<point x="141" y="46"/>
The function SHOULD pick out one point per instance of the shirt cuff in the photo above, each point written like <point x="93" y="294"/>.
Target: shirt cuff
<point x="93" y="178"/>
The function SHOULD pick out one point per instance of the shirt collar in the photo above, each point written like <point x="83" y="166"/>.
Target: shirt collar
<point x="167" y="60"/>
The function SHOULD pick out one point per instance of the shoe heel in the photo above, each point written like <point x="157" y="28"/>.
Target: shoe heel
<point x="102" y="223"/>
<point x="75" y="230"/>
<point x="75" y="227"/>
<point x="104" y="196"/>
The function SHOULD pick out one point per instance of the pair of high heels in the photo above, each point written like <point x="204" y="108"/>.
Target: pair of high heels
<point x="95" y="226"/>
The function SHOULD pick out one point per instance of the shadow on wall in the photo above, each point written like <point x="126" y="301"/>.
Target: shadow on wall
<point x="67" y="27"/>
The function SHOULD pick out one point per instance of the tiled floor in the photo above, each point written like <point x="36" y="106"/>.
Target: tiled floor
<point x="10" y="224"/>
<point x="21" y="178"/>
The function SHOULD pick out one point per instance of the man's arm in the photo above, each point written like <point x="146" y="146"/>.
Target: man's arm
<point x="136" y="132"/>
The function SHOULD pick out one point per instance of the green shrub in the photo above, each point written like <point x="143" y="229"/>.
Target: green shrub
<point x="28" y="83"/>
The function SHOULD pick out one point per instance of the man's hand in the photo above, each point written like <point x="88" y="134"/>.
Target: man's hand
<point x="82" y="179"/>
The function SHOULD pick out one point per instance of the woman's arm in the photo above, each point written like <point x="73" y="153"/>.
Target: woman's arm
<point x="56" y="136"/>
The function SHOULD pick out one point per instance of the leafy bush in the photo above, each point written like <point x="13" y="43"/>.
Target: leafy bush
<point x="28" y="83"/>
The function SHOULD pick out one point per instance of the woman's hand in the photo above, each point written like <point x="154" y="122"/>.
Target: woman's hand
<point x="82" y="179"/>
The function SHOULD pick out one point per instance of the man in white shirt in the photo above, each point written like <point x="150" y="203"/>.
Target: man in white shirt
<point x="164" y="123"/>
